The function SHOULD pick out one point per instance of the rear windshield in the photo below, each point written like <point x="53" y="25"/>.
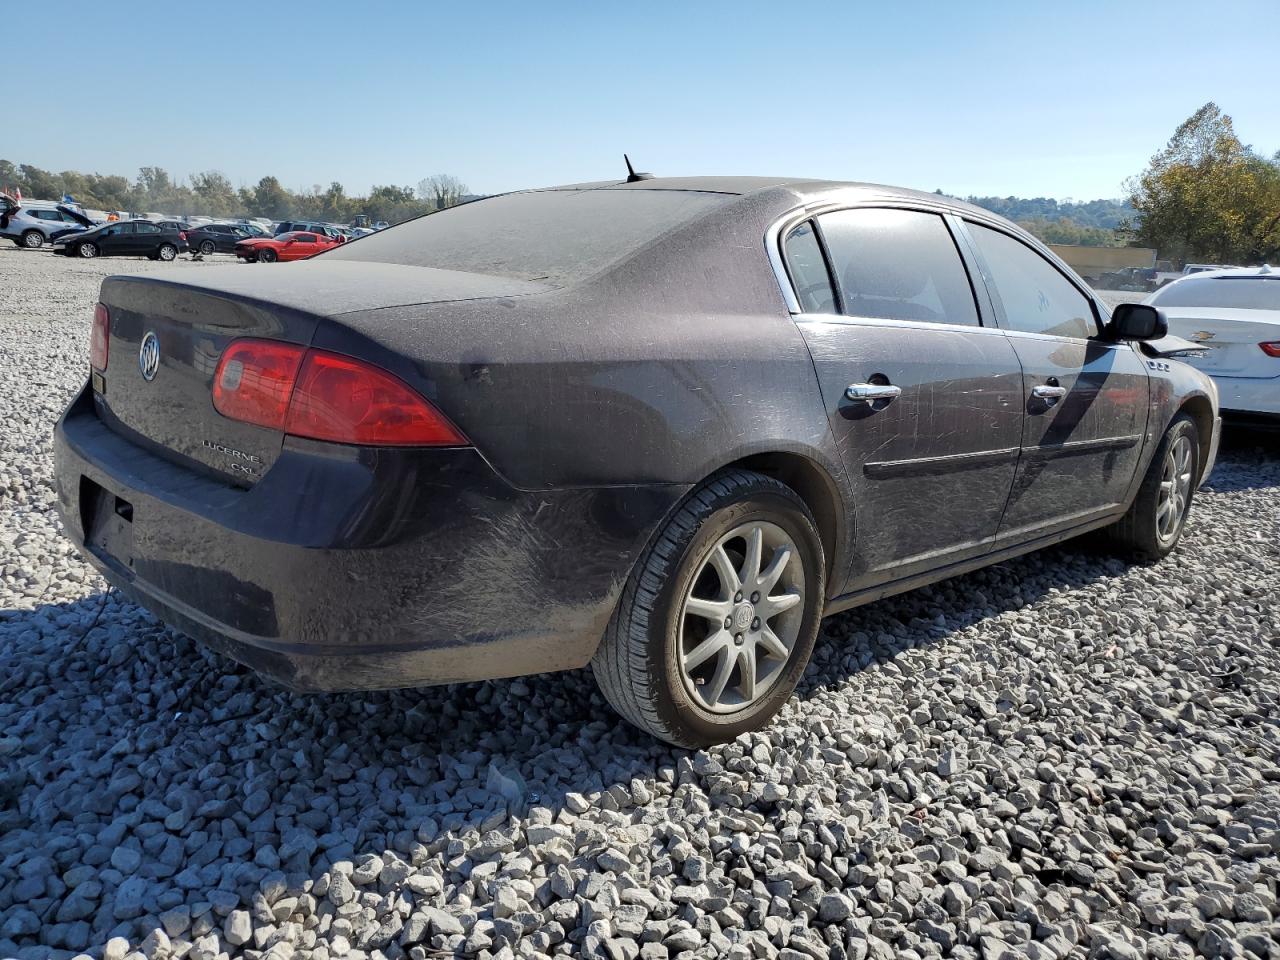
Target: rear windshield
<point x="1236" y="293"/>
<point x="552" y="236"/>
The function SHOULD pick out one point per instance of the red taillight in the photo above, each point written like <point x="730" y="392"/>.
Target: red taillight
<point x="255" y="379"/>
<point x="346" y="401"/>
<point x="1271" y="348"/>
<point x="98" y="337"/>
<point x="324" y="396"/>
<point x="182" y="235"/>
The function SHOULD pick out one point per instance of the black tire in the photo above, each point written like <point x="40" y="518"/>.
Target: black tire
<point x="32" y="239"/>
<point x="1137" y="534"/>
<point x="635" y="665"/>
<point x="87" y="250"/>
<point x="166" y="252"/>
<point x="206" y="247"/>
<point x="267" y="255"/>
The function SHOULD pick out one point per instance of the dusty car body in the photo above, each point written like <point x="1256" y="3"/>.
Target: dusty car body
<point x="601" y="353"/>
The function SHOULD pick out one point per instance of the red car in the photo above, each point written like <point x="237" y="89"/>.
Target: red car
<point x="287" y="246"/>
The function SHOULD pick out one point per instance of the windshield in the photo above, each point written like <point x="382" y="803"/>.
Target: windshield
<point x="1227" y="293"/>
<point x="552" y="236"/>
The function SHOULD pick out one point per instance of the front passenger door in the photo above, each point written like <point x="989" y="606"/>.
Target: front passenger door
<point x="1086" y="398"/>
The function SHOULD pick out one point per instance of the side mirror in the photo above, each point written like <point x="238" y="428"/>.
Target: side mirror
<point x="1138" y="321"/>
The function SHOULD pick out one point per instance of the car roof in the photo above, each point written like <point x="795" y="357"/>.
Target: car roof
<point x="1266" y="271"/>
<point x="805" y="188"/>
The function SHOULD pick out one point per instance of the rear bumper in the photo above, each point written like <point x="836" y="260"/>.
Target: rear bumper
<point x="1248" y="394"/>
<point x="352" y="568"/>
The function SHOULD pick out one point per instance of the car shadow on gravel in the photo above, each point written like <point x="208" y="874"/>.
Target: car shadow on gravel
<point x="129" y="749"/>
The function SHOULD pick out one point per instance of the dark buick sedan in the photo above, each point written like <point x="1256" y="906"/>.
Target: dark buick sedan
<point x="660" y="427"/>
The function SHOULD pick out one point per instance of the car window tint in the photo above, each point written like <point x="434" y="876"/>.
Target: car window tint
<point x="899" y="265"/>
<point x="306" y="238"/>
<point x="1228" y="293"/>
<point x="1036" y="297"/>
<point x="146" y="228"/>
<point x="808" y="270"/>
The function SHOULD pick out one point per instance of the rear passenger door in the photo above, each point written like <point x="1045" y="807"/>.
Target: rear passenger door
<point x="1086" y="398"/>
<point x="146" y="239"/>
<point x="923" y="399"/>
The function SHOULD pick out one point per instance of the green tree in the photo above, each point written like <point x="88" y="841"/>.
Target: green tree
<point x="215" y="194"/>
<point x="1206" y="196"/>
<point x="270" y="199"/>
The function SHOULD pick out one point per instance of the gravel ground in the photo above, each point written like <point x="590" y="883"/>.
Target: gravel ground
<point x="1062" y="756"/>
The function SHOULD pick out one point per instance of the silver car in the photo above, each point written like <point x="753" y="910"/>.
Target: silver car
<point x="33" y="224"/>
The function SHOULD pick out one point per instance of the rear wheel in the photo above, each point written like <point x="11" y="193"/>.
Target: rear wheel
<point x="1155" y="520"/>
<point x="166" y="252"/>
<point x="266" y="255"/>
<point x="32" y="239"/>
<point x="719" y="618"/>
<point x="88" y="250"/>
<point x="206" y="247"/>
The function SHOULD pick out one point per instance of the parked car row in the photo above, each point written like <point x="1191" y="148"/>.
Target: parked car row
<point x="71" y="231"/>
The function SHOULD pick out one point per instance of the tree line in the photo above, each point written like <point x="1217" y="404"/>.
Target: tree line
<point x="212" y="194"/>
<point x="1206" y="197"/>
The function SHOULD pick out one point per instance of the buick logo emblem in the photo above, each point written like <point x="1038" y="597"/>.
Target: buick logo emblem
<point x="149" y="356"/>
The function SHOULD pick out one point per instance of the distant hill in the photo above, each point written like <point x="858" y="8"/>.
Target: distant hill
<point x="1104" y="214"/>
<point x="1091" y="223"/>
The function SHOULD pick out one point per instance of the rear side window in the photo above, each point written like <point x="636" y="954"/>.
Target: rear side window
<point x="808" y="270"/>
<point x="146" y="228"/>
<point x="898" y="265"/>
<point x="1229" y="293"/>
<point x="1036" y="297"/>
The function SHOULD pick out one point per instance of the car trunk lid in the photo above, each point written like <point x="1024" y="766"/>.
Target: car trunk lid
<point x="1230" y="338"/>
<point x="193" y="320"/>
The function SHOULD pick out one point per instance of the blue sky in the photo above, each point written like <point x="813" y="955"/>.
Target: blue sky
<point x="1036" y="99"/>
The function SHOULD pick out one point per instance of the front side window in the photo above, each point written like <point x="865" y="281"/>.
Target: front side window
<point x="1036" y="297"/>
<point x="808" y="270"/>
<point x="898" y="265"/>
<point x="305" y="237"/>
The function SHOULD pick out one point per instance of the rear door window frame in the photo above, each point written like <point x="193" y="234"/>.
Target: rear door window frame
<point x="783" y="227"/>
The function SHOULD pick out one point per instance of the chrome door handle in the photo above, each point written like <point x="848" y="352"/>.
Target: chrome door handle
<point x="1050" y="395"/>
<point x="870" y="392"/>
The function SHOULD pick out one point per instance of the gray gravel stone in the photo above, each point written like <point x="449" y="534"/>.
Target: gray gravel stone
<point x="1063" y="756"/>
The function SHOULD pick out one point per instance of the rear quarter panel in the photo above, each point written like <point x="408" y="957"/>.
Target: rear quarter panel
<point x="664" y="368"/>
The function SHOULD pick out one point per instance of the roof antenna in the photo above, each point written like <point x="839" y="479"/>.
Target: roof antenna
<point x="632" y="176"/>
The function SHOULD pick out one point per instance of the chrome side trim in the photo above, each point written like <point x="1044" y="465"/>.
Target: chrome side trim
<point x="934" y="465"/>
<point x="1071" y="448"/>
<point x="842" y="320"/>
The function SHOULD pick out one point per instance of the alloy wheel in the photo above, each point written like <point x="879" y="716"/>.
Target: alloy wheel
<point x="88" y="250"/>
<point x="1175" y="488"/>
<point x="33" y="239"/>
<point x="741" y="617"/>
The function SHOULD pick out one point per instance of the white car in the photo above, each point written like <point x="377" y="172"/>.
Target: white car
<point x="33" y="223"/>
<point x="1235" y="315"/>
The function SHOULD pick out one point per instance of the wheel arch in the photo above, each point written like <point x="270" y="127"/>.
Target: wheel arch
<point x="817" y="488"/>
<point x="1200" y="409"/>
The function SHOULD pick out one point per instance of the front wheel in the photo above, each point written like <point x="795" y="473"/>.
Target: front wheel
<point x="1157" y="516"/>
<point x="33" y="239"/>
<point x="718" y="620"/>
<point x="88" y="250"/>
<point x="266" y="255"/>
